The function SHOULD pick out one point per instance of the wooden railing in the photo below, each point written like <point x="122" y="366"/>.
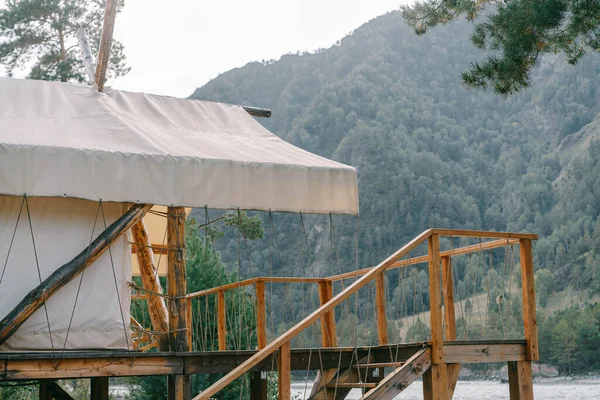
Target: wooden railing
<point x="441" y="371"/>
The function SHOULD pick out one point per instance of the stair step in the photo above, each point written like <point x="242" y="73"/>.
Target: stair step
<point x="380" y="365"/>
<point x="351" y="385"/>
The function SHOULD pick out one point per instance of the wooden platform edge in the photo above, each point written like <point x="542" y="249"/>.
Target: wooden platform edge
<point x="97" y="364"/>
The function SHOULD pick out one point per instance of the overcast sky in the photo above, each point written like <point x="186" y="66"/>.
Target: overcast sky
<point x="174" y="46"/>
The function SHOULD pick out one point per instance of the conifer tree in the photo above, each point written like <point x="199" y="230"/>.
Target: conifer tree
<point x="515" y="34"/>
<point x="40" y="36"/>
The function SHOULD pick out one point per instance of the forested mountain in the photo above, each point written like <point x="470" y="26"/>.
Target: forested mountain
<point x="431" y="153"/>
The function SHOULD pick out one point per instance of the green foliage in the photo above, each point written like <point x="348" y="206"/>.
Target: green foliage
<point x="515" y="34"/>
<point x="571" y="338"/>
<point x="43" y="32"/>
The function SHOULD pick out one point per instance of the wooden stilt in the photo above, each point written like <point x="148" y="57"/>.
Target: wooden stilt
<point x="258" y="386"/>
<point x="435" y="383"/>
<point x="520" y="380"/>
<point x="179" y="387"/>
<point x="52" y="391"/>
<point x="99" y="388"/>
<point x="284" y="372"/>
<point x="63" y="275"/>
<point x="449" y="319"/>
<point x="157" y="309"/>
<point x="44" y="392"/>
<point x="221" y="320"/>
<point x="529" y="314"/>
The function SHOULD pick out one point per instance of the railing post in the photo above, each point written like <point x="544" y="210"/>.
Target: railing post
<point x="529" y="317"/>
<point x="221" y="321"/>
<point x="435" y="381"/>
<point x="328" y="328"/>
<point x="284" y="372"/>
<point x="449" y="319"/>
<point x="258" y="385"/>
<point x="190" y="324"/>
<point x="382" y="328"/>
<point x="179" y="387"/>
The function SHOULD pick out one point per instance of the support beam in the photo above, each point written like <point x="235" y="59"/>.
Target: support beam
<point x="520" y="380"/>
<point x="221" y="320"/>
<point x="333" y="389"/>
<point x="529" y="314"/>
<point x="382" y="328"/>
<point x="284" y="391"/>
<point x="157" y="309"/>
<point x="99" y="388"/>
<point x="111" y="363"/>
<point x="65" y="274"/>
<point x="179" y="385"/>
<point x="110" y="14"/>
<point x="258" y="112"/>
<point x="449" y="319"/>
<point x="435" y="301"/>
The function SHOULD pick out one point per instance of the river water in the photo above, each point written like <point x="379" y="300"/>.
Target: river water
<point x="483" y="390"/>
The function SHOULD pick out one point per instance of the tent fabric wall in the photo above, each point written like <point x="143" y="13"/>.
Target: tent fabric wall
<point x="62" y="228"/>
<point x="67" y="140"/>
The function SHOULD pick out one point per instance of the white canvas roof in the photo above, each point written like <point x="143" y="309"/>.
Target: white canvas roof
<point x="68" y="140"/>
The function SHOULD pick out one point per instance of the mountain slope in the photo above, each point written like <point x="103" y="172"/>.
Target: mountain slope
<point x="429" y="151"/>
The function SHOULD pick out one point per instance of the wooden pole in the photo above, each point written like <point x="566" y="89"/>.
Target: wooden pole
<point x="284" y="373"/>
<point x="151" y="282"/>
<point x="529" y="313"/>
<point x="261" y="315"/>
<point x="449" y="319"/>
<point x="328" y="327"/>
<point x="435" y="381"/>
<point x="44" y="392"/>
<point x="179" y="385"/>
<point x="110" y="14"/>
<point x="258" y="385"/>
<point x="99" y="388"/>
<point x="382" y="328"/>
<point x="435" y="303"/>
<point x="520" y="380"/>
<point x="221" y="320"/>
<point x="189" y="323"/>
<point x="64" y="274"/>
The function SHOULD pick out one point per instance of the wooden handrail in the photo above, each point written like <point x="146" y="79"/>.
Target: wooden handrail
<point x="252" y="281"/>
<point x="494" y="244"/>
<point x="309" y="320"/>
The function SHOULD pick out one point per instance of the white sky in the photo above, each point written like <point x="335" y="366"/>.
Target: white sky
<point x="175" y="46"/>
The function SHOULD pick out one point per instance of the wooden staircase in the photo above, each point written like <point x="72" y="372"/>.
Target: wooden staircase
<point x="336" y="385"/>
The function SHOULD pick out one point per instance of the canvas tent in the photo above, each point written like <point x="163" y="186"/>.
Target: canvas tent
<point x="67" y="147"/>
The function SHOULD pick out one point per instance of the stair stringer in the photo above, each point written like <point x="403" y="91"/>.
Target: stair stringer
<point x="393" y="384"/>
